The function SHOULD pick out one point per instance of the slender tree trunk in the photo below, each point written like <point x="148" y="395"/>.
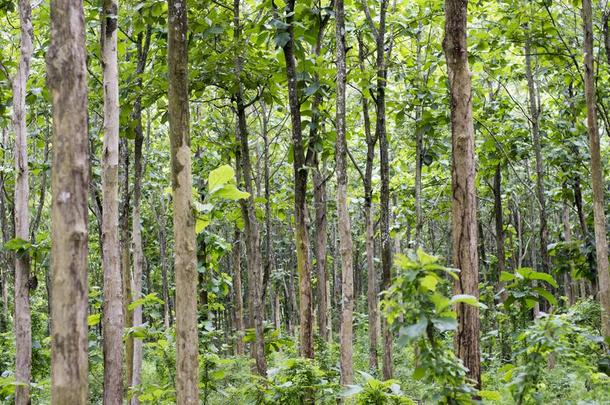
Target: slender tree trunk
<point x="464" y="222"/>
<point x="248" y="209"/>
<point x="535" y="126"/>
<point x="597" y="180"/>
<point x="113" y="297"/>
<point x="320" y="250"/>
<point x="237" y="289"/>
<point x="126" y="259"/>
<point x="161" y="220"/>
<point x="499" y="222"/>
<point x="567" y="235"/>
<point x="23" y="317"/>
<point x="185" y="259"/>
<point x="67" y="80"/>
<point x="343" y="219"/>
<point x="300" y="193"/>
<point x="372" y="285"/>
<point x="136" y="226"/>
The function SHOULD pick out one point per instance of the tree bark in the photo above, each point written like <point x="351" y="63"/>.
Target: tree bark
<point x="343" y="219"/>
<point x="113" y="297"/>
<point x="136" y="226"/>
<point x="464" y="222"/>
<point x="161" y="220"/>
<point x="185" y="259"/>
<point x="67" y="81"/>
<point x="23" y="317"/>
<point x="248" y="209"/>
<point x="237" y="290"/>
<point x="597" y="180"/>
<point x="372" y="285"/>
<point x="126" y="258"/>
<point x="321" y="237"/>
<point x="535" y="127"/>
<point x="499" y="223"/>
<point x="300" y="193"/>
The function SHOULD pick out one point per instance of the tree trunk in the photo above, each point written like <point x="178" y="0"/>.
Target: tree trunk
<point x="251" y="225"/>
<point x="136" y="226"/>
<point x="300" y="193"/>
<point x="535" y="126"/>
<point x="372" y="285"/>
<point x="67" y="80"/>
<point x="499" y="223"/>
<point x="23" y="317"/>
<point x="464" y="222"/>
<point x="248" y="209"/>
<point x="320" y="250"/>
<point x="161" y="220"/>
<point x="185" y="259"/>
<point x="343" y="219"/>
<point x="597" y="180"/>
<point x="113" y="297"/>
<point x="125" y="258"/>
<point x="237" y="290"/>
<point x="567" y="235"/>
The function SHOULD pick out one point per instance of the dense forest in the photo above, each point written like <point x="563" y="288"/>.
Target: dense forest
<point x="304" y="202"/>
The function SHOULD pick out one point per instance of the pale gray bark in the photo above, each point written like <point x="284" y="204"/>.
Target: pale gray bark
<point x="23" y="318"/>
<point x="111" y="263"/>
<point x="343" y="219"/>
<point x="67" y="81"/>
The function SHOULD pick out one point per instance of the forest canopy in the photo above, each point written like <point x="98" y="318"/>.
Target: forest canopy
<point x="304" y="202"/>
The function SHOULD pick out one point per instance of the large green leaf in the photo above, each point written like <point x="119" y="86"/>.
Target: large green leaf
<point x="219" y="177"/>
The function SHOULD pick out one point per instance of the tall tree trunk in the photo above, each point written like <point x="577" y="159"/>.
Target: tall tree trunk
<point x="67" y="80"/>
<point x="161" y="220"/>
<point x="319" y="184"/>
<point x="372" y="285"/>
<point x="343" y="219"/>
<point x="113" y="297"/>
<point x="499" y="223"/>
<point x="248" y="209"/>
<point x="23" y="317"/>
<point x="597" y="180"/>
<point x="464" y="222"/>
<point x="567" y="235"/>
<point x="185" y="259"/>
<point x="237" y="290"/>
<point x="252" y="233"/>
<point x="535" y="126"/>
<point x="126" y="258"/>
<point x="136" y="226"/>
<point x="300" y="193"/>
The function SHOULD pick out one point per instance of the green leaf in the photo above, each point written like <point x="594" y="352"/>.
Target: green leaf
<point x="530" y="274"/>
<point x="419" y="373"/>
<point x="231" y="192"/>
<point x="547" y="295"/>
<point x="219" y="177"/>
<point x="506" y="276"/>
<point x="17" y="245"/>
<point x="465" y="299"/>
<point x="412" y="332"/>
<point x="351" y="390"/>
<point x="201" y="224"/>
<point x="445" y="323"/>
<point x="490" y="395"/>
<point x="429" y="282"/>
<point x="147" y="299"/>
<point x="94" y="319"/>
<point x="424" y="258"/>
